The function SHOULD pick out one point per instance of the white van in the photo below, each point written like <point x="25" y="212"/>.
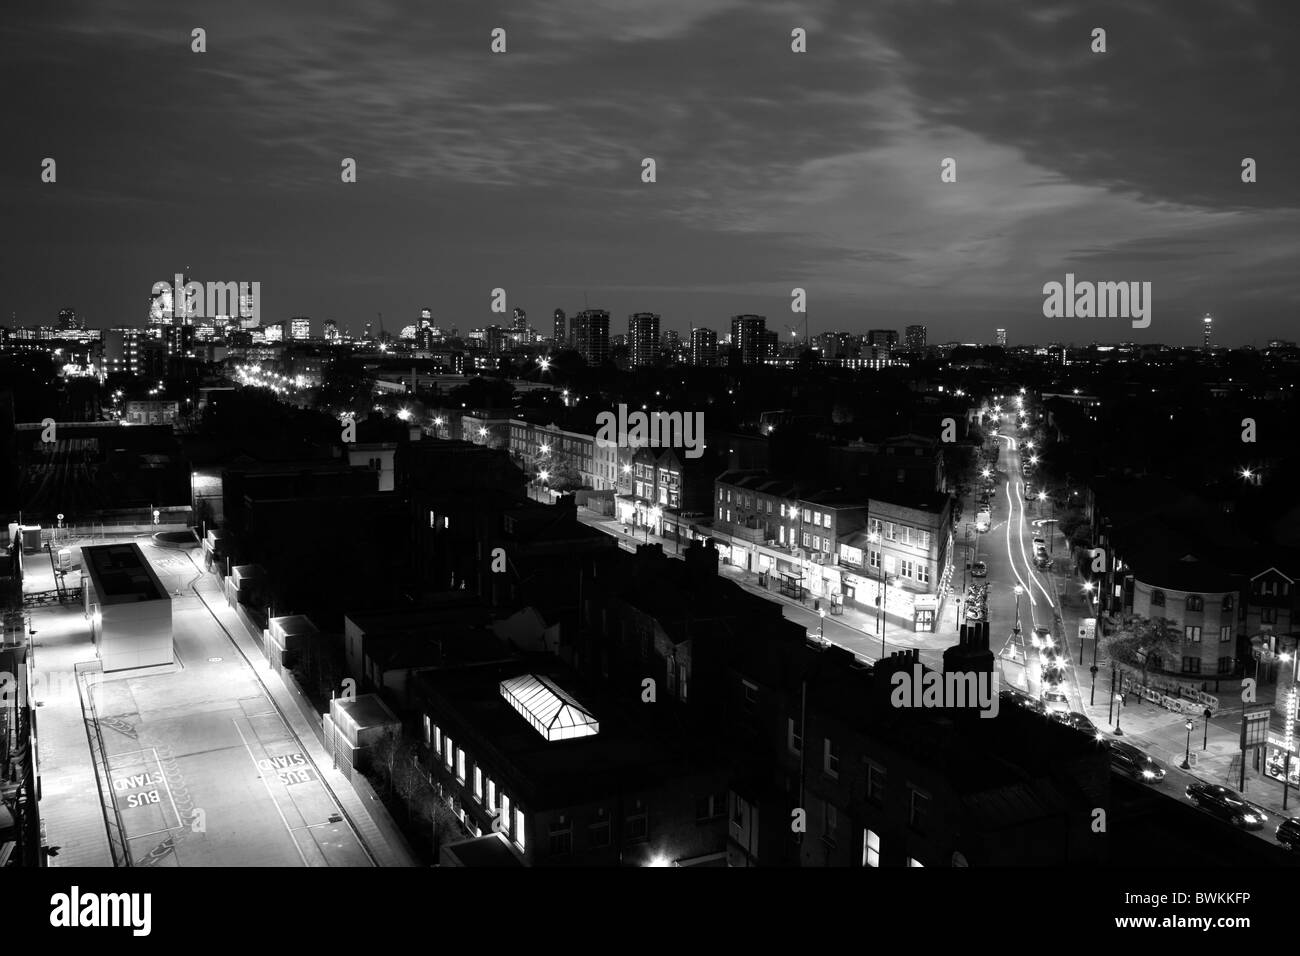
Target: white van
<point x="982" y="520"/>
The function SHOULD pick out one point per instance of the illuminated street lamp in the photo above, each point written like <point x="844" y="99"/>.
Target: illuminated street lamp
<point x="1019" y="591"/>
<point x="821" y="625"/>
<point x="1187" y="754"/>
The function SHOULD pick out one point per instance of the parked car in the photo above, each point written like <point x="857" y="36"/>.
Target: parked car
<point x="1055" y="702"/>
<point x="1018" y="698"/>
<point x="1136" y="763"/>
<point x="1288" y="833"/>
<point x="1079" y="722"/>
<point x="1043" y="562"/>
<point x="1227" y="804"/>
<point x="979" y="570"/>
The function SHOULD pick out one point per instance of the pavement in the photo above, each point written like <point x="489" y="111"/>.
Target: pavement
<point x="1056" y="599"/>
<point x="194" y="752"/>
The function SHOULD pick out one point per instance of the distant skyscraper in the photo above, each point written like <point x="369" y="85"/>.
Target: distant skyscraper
<point x="643" y="338"/>
<point x="1000" y="337"/>
<point x="704" y="347"/>
<point x="521" y="321"/>
<point x="330" y="330"/>
<point x="748" y="341"/>
<point x="1206" y="324"/>
<point x="248" y="318"/>
<point x="273" y="332"/>
<point x="561" y="331"/>
<point x="426" y="315"/>
<point x="916" y="338"/>
<point x="68" y="319"/>
<point x="300" y="328"/>
<point x="590" y="329"/>
<point x="881" y="344"/>
<point x="672" y="340"/>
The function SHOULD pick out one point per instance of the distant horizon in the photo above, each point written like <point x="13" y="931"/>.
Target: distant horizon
<point x="932" y="162"/>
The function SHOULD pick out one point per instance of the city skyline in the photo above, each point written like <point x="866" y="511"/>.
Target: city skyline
<point x="478" y="171"/>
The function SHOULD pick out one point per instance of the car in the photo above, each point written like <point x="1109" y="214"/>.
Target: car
<point x="1052" y="674"/>
<point x="1043" y="562"/>
<point x="1055" y="702"/>
<point x="1288" y="833"/>
<point x="979" y="570"/>
<point x="1227" y="804"/>
<point x="1134" y="762"/>
<point x="1018" y="698"/>
<point x="1040" y="543"/>
<point x="1079" y="722"/>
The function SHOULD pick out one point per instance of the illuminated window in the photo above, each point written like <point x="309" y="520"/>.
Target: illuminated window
<point x="912" y="862"/>
<point x="491" y="793"/>
<point x="449" y="753"/>
<point x="460" y="764"/>
<point x="870" y="848"/>
<point x="520" y="829"/>
<point x="478" y="782"/>
<point x="437" y="740"/>
<point x="428" y="730"/>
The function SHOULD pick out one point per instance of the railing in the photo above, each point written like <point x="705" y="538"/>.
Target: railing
<point x="113" y="826"/>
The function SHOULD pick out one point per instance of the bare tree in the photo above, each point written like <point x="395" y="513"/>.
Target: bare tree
<point x="1140" y="639"/>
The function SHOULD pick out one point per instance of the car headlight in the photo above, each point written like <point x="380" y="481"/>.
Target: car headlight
<point x="1248" y="817"/>
<point x="1149" y="774"/>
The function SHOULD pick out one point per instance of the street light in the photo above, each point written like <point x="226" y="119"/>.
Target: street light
<point x="821" y="625"/>
<point x="873" y="537"/>
<point x="1187" y="754"/>
<point x="1019" y="591"/>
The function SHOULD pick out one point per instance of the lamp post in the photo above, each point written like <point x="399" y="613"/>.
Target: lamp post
<point x="543" y="476"/>
<point x="1087" y="590"/>
<point x="1119" y="698"/>
<point x="652" y="517"/>
<point x="821" y="625"/>
<point x="1187" y="754"/>
<point x="874" y="538"/>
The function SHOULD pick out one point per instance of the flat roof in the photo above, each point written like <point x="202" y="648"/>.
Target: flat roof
<point x="122" y="574"/>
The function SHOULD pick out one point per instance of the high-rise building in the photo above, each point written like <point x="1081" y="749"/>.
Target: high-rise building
<point x="880" y="346"/>
<point x="1001" y="337"/>
<point x="273" y="332"/>
<point x="672" y="340"/>
<point x="915" y="336"/>
<point x="769" y="345"/>
<point x="68" y="320"/>
<point x="330" y="330"/>
<point x="590" y="329"/>
<point x="521" y="321"/>
<point x="248" y="317"/>
<point x="643" y="338"/>
<point x="122" y="350"/>
<point x="748" y="339"/>
<point x="561" y="332"/>
<point x="704" y="347"/>
<point x="1206" y="324"/>
<point x="300" y="328"/>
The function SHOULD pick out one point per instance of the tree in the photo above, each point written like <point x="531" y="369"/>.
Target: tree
<point x="1140" y="639"/>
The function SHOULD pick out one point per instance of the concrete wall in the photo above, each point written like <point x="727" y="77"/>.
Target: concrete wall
<point x="136" y="635"/>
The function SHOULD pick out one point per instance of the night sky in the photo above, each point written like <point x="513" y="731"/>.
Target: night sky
<point x="775" y="169"/>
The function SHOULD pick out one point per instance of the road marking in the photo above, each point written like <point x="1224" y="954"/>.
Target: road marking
<point x="269" y="793"/>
